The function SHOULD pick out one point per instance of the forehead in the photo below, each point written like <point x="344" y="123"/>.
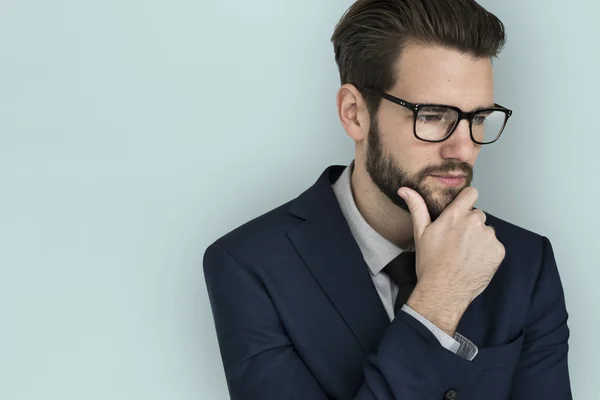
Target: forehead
<point x="432" y="74"/>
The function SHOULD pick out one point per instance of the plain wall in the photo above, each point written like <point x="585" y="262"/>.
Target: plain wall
<point x="134" y="133"/>
<point x="544" y="174"/>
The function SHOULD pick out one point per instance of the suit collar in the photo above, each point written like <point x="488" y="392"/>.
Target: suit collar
<point x="319" y="198"/>
<point x="376" y="249"/>
<point x="327" y="247"/>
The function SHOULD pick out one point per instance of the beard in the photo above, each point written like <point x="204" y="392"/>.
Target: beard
<point x="389" y="176"/>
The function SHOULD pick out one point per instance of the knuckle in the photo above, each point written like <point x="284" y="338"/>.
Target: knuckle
<point x="502" y="250"/>
<point x="475" y="219"/>
<point x="482" y="215"/>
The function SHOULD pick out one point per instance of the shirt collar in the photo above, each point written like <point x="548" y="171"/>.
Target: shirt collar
<point x="376" y="250"/>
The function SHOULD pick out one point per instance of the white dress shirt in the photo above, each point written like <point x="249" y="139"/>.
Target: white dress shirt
<point x="378" y="252"/>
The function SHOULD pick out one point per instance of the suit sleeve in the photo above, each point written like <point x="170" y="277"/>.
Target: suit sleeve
<point x="542" y="371"/>
<point x="261" y="362"/>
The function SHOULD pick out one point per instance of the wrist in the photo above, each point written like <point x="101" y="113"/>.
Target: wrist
<point x="441" y="309"/>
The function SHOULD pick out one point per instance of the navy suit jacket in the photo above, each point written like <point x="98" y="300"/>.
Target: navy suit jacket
<point x="298" y="317"/>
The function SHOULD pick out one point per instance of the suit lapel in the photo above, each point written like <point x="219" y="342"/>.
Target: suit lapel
<point x="327" y="247"/>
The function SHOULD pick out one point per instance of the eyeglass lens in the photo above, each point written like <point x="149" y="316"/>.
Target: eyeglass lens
<point x="435" y="123"/>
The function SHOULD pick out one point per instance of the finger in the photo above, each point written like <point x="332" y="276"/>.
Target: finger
<point x="465" y="200"/>
<point x="418" y="210"/>
<point x="482" y="216"/>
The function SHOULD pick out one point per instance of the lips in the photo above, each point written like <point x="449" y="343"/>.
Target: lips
<point x="451" y="180"/>
<point x="450" y="176"/>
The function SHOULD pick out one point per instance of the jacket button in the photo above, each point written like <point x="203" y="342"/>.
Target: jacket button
<point x="451" y="395"/>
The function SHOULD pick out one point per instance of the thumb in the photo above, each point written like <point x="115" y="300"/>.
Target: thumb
<point x="418" y="210"/>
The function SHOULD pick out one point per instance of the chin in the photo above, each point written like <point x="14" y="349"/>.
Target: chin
<point x="438" y="200"/>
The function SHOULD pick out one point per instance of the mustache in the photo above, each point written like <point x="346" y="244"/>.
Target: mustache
<point x="447" y="167"/>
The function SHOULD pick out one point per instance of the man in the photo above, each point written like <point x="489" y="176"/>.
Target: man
<point x="382" y="281"/>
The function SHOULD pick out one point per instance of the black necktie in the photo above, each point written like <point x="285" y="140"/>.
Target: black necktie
<point x="402" y="270"/>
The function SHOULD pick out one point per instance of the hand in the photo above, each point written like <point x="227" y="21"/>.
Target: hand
<point x="457" y="256"/>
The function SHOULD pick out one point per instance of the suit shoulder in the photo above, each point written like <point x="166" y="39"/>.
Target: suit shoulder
<point x="262" y="232"/>
<point x="525" y="249"/>
<point x="506" y="229"/>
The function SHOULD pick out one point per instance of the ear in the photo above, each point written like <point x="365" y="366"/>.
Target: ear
<point x="353" y="113"/>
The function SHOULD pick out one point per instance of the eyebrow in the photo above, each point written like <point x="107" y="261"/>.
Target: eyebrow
<point x="484" y="107"/>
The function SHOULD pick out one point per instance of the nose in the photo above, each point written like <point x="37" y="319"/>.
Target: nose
<point x="459" y="145"/>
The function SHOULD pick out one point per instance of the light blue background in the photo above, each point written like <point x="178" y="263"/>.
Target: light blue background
<point x="134" y="133"/>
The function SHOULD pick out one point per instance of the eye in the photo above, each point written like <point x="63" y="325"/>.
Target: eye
<point x="430" y="118"/>
<point x="479" y="119"/>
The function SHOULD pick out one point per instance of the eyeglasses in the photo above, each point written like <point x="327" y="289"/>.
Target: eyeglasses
<point x="435" y="123"/>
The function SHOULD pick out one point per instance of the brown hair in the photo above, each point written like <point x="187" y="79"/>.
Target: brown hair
<point x="371" y="35"/>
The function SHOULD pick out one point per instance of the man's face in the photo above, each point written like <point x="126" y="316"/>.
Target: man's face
<point x="395" y="158"/>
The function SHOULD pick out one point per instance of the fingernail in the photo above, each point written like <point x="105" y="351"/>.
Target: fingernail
<point x="403" y="194"/>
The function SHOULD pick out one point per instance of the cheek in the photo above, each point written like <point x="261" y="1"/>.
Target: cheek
<point x="475" y="155"/>
<point x="471" y="161"/>
<point x="413" y="157"/>
<point x="398" y="139"/>
<point x="395" y="126"/>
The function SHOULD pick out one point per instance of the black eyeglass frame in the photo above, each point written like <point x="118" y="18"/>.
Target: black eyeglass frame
<point x="461" y="115"/>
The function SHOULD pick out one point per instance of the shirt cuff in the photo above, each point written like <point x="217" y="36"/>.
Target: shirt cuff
<point x="459" y="345"/>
